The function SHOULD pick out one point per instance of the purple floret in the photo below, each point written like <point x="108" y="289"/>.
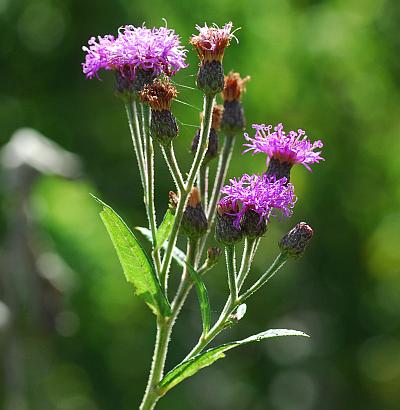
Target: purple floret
<point x="157" y="50"/>
<point x="293" y="148"/>
<point x="260" y="194"/>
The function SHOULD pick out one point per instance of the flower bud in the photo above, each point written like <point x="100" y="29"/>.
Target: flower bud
<point x="296" y="240"/>
<point x="212" y="150"/>
<point x="253" y="226"/>
<point x="194" y="220"/>
<point x="159" y="96"/>
<point x="225" y="230"/>
<point x="233" y="120"/>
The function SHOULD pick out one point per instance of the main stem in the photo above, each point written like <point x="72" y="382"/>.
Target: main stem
<point x="198" y="159"/>
<point x="164" y="329"/>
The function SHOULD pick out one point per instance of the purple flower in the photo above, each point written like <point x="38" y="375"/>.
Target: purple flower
<point x="211" y="42"/>
<point x="157" y="50"/>
<point x="292" y="148"/>
<point x="257" y="193"/>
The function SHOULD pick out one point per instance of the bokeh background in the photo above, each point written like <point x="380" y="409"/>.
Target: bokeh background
<point x="73" y="337"/>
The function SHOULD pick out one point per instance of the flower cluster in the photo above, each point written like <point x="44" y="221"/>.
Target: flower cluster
<point x="157" y="50"/>
<point x="292" y="148"/>
<point x="211" y="42"/>
<point x="259" y="194"/>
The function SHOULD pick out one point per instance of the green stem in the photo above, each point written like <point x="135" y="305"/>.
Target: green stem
<point x="220" y="176"/>
<point x="149" y="202"/>
<point x="250" y="246"/>
<point x="231" y="269"/>
<point x="198" y="159"/>
<point x="203" y="183"/>
<point x="230" y="306"/>
<point x="169" y="155"/>
<point x="276" y="265"/>
<point x="132" y="114"/>
<point x="164" y="329"/>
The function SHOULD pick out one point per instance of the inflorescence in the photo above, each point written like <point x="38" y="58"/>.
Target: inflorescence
<point x="156" y="50"/>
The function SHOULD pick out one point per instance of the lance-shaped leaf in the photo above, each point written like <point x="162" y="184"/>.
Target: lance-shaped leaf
<point x="189" y="367"/>
<point x="164" y="229"/>
<point x="177" y="254"/>
<point x="202" y="296"/>
<point x="136" y="264"/>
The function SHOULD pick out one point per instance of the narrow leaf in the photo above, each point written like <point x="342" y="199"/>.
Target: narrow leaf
<point x="136" y="264"/>
<point x="177" y="254"/>
<point x="202" y="296"/>
<point x="164" y="230"/>
<point x="190" y="367"/>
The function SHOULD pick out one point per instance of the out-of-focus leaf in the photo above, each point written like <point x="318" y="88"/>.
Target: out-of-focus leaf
<point x="177" y="254"/>
<point x="164" y="229"/>
<point x="136" y="264"/>
<point x="190" y="367"/>
<point x="202" y="296"/>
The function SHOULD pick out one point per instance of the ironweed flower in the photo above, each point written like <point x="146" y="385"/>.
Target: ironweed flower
<point x="210" y="44"/>
<point x="159" y="96"/>
<point x="212" y="150"/>
<point x="283" y="150"/>
<point x="137" y="53"/>
<point x="296" y="240"/>
<point x="233" y="120"/>
<point x="257" y="195"/>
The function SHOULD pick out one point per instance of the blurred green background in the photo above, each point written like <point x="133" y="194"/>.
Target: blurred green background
<point x="72" y="336"/>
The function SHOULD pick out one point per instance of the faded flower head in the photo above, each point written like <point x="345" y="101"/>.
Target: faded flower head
<point x="296" y="240"/>
<point x="259" y="194"/>
<point x="159" y="94"/>
<point x="234" y="86"/>
<point x="135" y="48"/>
<point x="211" y="42"/>
<point x="292" y="148"/>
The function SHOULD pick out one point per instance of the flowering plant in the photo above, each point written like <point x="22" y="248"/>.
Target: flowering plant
<point x="144" y="60"/>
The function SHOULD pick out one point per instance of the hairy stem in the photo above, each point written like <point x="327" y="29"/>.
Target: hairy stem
<point x="231" y="269"/>
<point x="250" y="246"/>
<point x="164" y="329"/>
<point x="134" y="127"/>
<point x="169" y="155"/>
<point x="203" y="183"/>
<point x="198" y="159"/>
<point x="220" y="176"/>
<point x="149" y="197"/>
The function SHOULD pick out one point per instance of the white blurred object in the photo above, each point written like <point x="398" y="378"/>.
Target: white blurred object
<point x="29" y="147"/>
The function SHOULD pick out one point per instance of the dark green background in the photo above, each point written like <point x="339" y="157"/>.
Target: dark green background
<point x="330" y="67"/>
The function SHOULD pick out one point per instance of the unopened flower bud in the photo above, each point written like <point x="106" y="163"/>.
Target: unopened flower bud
<point x="296" y="240"/>
<point x="159" y="96"/>
<point x="194" y="221"/>
<point x="253" y="226"/>
<point x="225" y="230"/>
<point x="212" y="150"/>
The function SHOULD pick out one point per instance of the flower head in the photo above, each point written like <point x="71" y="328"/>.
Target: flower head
<point x="136" y="48"/>
<point x="159" y="94"/>
<point x="211" y="42"/>
<point x="234" y="86"/>
<point x="292" y="148"/>
<point x="259" y="194"/>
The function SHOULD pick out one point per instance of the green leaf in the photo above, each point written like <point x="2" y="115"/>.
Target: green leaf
<point x="136" y="264"/>
<point x="202" y="296"/>
<point x="190" y="367"/>
<point x="177" y="254"/>
<point x="164" y="230"/>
